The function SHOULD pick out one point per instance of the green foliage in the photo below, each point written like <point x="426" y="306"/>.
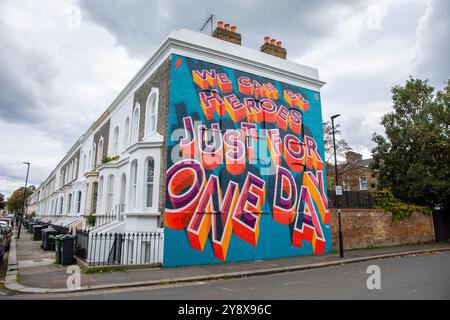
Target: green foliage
<point x="412" y="159"/>
<point x="90" y="220"/>
<point x="108" y="269"/>
<point x="385" y="200"/>
<point x="14" y="203"/>
<point x="109" y="159"/>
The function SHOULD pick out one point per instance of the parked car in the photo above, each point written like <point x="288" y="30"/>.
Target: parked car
<point x="9" y="221"/>
<point x="8" y="232"/>
<point x="5" y="240"/>
<point x="2" y="245"/>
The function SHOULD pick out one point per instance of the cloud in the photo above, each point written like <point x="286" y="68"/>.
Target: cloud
<point x="432" y="51"/>
<point x="140" y="25"/>
<point x="56" y="79"/>
<point x="367" y="54"/>
<point x="64" y="61"/>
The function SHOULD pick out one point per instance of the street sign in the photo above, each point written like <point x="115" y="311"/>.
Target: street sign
<point x="338" y="190"/>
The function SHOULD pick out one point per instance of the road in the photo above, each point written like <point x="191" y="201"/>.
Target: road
<point x="410" y="277"/>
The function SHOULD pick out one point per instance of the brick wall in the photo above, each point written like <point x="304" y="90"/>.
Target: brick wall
<point x="363" y="228"/>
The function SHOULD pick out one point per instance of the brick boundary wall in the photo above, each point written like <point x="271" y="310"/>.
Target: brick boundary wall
<point x="363" y="228"/>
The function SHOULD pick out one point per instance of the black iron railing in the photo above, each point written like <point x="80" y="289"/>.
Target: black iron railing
<point x="60" y="229"/>
<point x="110" y="216"/>
<point x="81" y="243"/>
<point x="351" y="199"/>
<point x="100" y="249"/>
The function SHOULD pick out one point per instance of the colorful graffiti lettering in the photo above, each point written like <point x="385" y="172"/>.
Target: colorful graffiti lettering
<point x="247" y="153"/>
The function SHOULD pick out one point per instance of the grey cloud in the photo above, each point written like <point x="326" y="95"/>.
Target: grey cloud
<point x="16" y="104"/>
<point x="140" y="25"/>
<point x="26" y="78"/>
<point x="433" y="49"/>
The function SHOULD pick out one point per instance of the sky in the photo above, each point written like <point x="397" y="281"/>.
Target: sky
<point x="64" y="61"/>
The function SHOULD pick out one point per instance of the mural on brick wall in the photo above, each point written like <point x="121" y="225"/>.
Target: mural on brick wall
<point x="245" y="176"/>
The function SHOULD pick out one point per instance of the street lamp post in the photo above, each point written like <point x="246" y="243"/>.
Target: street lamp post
<point x="24" y="200"/>
<point x="341" y="240"/>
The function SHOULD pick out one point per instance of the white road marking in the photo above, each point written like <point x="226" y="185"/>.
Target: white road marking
<point x="238" y="289"/>
<point x="293" y="282"/>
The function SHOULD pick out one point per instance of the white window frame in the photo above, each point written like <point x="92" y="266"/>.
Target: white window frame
<point x="100" y="150"/>
<point x="126" y="133"/>
<point x="361" y="183"/>
<point x="78" y="201"/>
<point x="61" y="205"/>
<point x="69" y="203"/>
<point x="94" y="156"/>
<point x="151" y="112"/>
<point x="345" y="185"/>
<point x="110" y="193"/>
<point x="89" y="164"/>
<point x="84" y="162"/>
<point x="135" y="124"/>
<point x="133" y="184"/>
<point x="75" y="169"/>
<point x="147" y="183"/>
<point x="115" y="144"/>
<point x="99" y="195"/>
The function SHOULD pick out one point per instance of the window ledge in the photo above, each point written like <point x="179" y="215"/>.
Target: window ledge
<point x="154" y="137"/>
<point x="137" y="214"/>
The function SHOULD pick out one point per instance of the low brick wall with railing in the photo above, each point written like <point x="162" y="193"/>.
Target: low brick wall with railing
<point x="128" y="248"/>
<point x="363" y="228"/>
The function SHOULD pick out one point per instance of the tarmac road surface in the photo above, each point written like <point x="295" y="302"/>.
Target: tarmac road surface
<point x="411" y="277"/>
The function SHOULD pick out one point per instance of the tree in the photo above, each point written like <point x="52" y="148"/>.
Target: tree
<point x="342" y="147"/>
<point x="14" y="203"/>
<point x="412" y="159"/>
<point x="2" y="202"/>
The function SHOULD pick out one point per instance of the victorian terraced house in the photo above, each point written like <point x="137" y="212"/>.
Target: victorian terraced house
<point x="215" y="146"/>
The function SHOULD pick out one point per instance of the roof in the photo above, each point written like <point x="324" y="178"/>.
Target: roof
<point x="361" y="164"/>
<point x="210" y="43"/>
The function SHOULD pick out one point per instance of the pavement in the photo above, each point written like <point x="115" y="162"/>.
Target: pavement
<point x="32" y="270"/>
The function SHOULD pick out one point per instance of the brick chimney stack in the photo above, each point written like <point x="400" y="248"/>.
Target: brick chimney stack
<point x="228" y="33"/>
<point x="274" y="48"/>
<point x="353" y="157"/>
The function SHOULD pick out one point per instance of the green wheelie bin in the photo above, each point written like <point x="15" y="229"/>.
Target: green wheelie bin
<point x="57" y="238"/>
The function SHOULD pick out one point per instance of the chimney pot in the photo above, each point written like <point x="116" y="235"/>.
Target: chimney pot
<point x="225" y="33"/>
<point x="273" y="47"/>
